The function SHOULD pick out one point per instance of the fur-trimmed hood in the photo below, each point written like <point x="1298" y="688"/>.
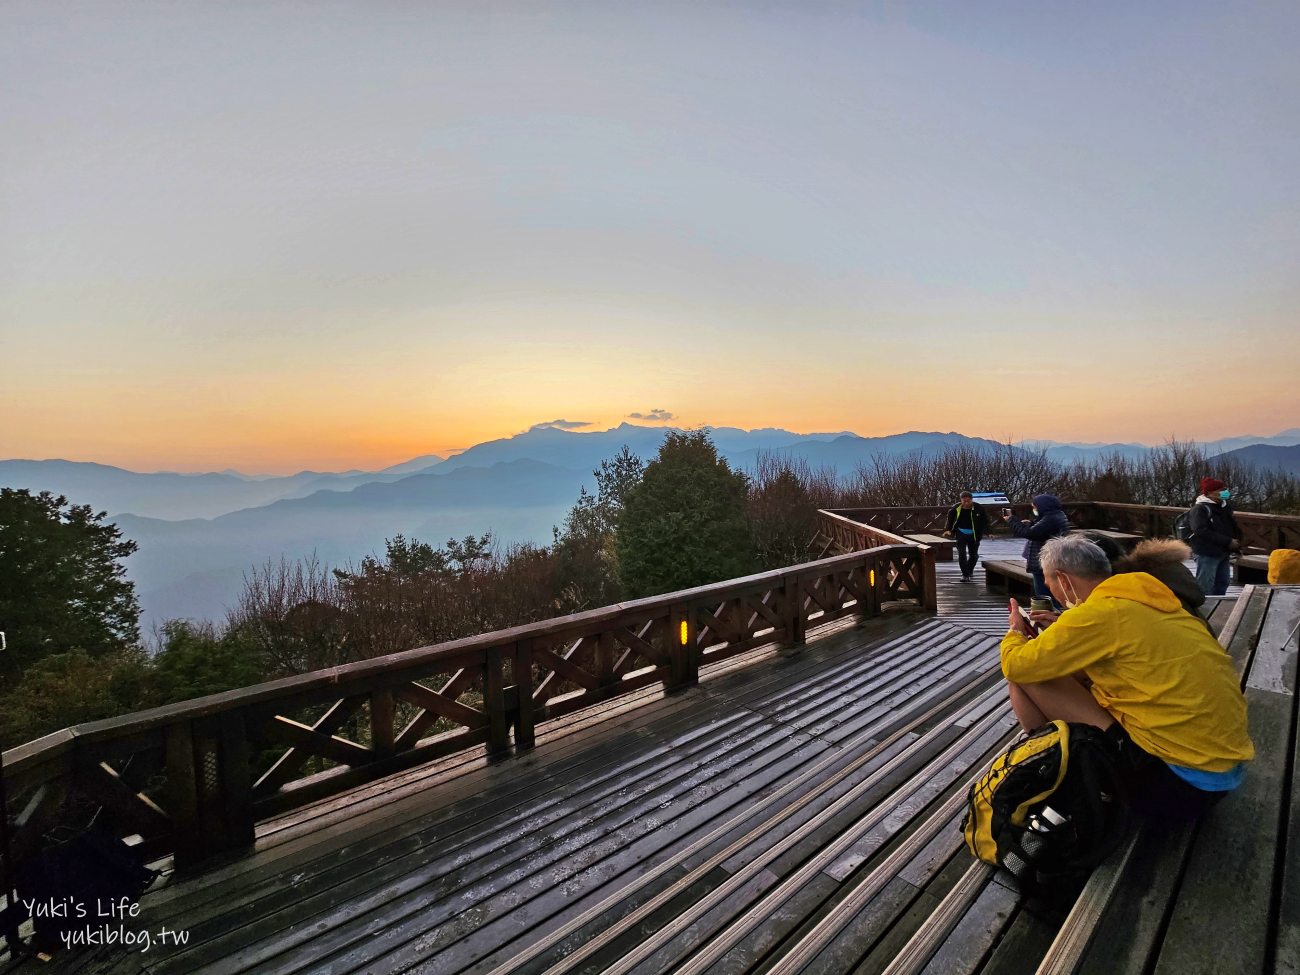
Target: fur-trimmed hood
<point x="1153" y="553"/>
<point x="1164" y="558"/>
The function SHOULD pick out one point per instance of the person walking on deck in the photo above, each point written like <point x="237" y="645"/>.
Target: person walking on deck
<point x="968" y="523"/>
<point x="1214" y="535"/>
<point x="1049" y="522"/>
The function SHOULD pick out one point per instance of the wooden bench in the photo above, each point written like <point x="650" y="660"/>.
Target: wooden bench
<point x="943" y="547"/>
<point x="1010" y="576"/>
<point x="1250" y="569"/>
<point x="1221" y="895"/>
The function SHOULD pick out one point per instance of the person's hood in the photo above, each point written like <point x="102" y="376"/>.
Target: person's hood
<point x="1206" y="499"/>
<point x="1047" y="502"/>
<point x="1139" y="587"/>
<point x="1154" y="553"/>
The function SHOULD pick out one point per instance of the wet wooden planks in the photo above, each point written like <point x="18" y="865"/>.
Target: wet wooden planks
<point x="847" y="742"/>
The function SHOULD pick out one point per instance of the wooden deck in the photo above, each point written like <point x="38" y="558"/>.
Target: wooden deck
<point x="796" y="811"/>
<point x="714" y="823"/>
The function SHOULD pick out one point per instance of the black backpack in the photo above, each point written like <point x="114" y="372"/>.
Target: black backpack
<point x="1183" y="526"/>
<point x="1050" y="808"/>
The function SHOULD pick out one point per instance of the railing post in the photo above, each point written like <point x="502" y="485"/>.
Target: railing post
<point x="685" y="670"/>
<point x="605" y="659"/>
<point x="494" y="702"/>
<point x="796" y="622"/>
<point x="209" y="787"/>
<point x="929" y="584"/>
<point x="182" y="794"/>
<point x="381" y="722"/>
<point x="871" y="566"/>
<point x="523" y="673"/>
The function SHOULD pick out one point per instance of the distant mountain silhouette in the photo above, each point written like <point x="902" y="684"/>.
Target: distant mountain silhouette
<point x="195" y="567"/>
<point x="1070" y="452"/>
<point x="161" y="495"/>
<point x="741" y="448"/>
<point x="199" y="533"/>
<point x="847" y="452"/>
<point x="1268" y="457"/>
<point x="178" y="496"/>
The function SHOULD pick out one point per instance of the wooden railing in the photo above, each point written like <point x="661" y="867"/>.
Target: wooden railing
<point x="1259" y="531"/>
<point x="193" y="779"/>
<point x="850" y="535"/>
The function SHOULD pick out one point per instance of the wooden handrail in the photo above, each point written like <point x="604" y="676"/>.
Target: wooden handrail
<point x="1259" y="530"/>
<point x="194" y="778"/>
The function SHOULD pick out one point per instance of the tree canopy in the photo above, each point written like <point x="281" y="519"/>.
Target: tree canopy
<point x="63" y="586"/>
<point x="587" y="564"/>
<point x="684" y="524"/>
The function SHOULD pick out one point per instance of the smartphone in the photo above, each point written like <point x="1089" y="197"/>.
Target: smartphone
<point x="1006" y="512"/>
<point x="1028" y="619"/>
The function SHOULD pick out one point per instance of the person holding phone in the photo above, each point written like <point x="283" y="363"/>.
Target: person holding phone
<point x="1126" y="658"/>
<point x="968" y="523"/>
<point x="1049" y="522"/>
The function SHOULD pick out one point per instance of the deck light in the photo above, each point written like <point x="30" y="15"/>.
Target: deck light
<point x="871" y="578"/>
<point x="685" y="632"/>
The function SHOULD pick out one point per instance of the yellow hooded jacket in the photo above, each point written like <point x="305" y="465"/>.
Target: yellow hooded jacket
<point x="1153" y="667"/>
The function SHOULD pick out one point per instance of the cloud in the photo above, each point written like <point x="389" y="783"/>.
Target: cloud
<point x="654" y="416"/>
<point x="560" y="425"/>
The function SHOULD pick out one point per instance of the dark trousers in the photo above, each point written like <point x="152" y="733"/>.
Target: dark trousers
<point x="968" y="553"/>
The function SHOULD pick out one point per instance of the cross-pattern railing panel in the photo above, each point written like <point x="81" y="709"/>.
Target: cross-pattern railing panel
<point x="194" y="778"/>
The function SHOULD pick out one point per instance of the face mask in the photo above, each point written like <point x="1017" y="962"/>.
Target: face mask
<point x="1072" y="600"/>
<point x="1225" y="495"/>
<point x="1035" y="511"/>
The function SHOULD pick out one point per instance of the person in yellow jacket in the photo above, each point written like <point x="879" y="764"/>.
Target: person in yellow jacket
<point x="1126" y="657"/>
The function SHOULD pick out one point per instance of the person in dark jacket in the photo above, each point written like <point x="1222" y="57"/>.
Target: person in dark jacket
<point x="1164" y="558"/>
<point x="1213" y="534"/>
<point x="968" y="522"/>
<point x="1049" y="522"/>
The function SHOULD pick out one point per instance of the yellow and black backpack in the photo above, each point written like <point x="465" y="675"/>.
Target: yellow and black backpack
<point x="1051" y="806"/>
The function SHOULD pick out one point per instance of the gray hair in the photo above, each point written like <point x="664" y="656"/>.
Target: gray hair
<point x="1076" y="555"/>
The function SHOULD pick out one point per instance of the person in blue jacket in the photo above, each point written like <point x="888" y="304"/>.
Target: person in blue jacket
<point x="1049" y="522"/>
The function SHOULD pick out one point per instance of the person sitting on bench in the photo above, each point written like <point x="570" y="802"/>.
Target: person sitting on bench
<point x="1126" y="658"/>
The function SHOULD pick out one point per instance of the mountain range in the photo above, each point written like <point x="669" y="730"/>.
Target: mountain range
<point x="199" y="534"/>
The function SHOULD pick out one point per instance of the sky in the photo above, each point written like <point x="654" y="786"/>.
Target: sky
<point x="286" y="235"/>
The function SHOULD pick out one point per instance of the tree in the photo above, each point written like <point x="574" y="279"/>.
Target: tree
<point x="62" y="583"/>
<point x="782" y="514"/>
<point x="194" y="661"/>
<point x="684" y="525"/>
<point x="63" y="689"/>
<point x="584" y="548"/>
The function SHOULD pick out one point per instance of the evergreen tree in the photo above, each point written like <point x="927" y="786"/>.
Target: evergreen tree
<point x="684" y="525"/>
<point x="584" y="549"/>
<point x="62" y="582"/>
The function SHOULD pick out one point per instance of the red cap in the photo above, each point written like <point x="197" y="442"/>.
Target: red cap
<point x="1211" y="485"/>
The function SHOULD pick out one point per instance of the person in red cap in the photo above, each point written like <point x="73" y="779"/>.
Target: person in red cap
<point x="1213" y="534"/>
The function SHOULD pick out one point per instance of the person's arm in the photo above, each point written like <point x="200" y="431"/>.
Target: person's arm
<point x="1038" y="531"/>
<point x="1079" y="638"/>
<point x="952" y="519"/>
<point x="981" y="522"/>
